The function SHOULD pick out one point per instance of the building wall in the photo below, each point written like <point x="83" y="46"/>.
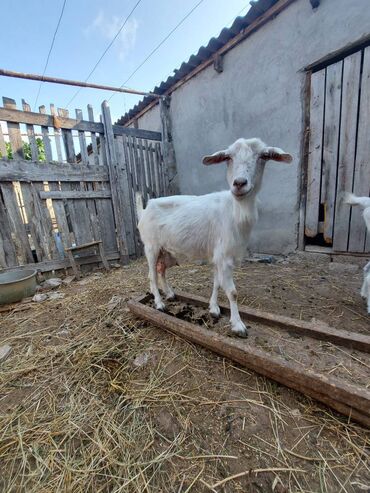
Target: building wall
<point x="260" y="94"/>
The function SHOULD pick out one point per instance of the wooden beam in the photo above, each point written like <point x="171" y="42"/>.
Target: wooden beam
<point x="137" y="132"/>
<point x="48" y="266"/>
<point x="169" y="156"/>
<point x="75" y="194"/>
<point x="348" y="399"/>
<point x="317" y="329"/>
<point x="68" y="82"/>
<point x="28" y="117"/>
<point x="45" y="120"/>
<point x="21" y="170"/>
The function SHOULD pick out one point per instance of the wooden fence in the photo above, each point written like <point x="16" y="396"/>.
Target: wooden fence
<point x="70" y="181"/>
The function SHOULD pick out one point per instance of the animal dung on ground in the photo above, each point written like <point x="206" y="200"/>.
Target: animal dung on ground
<point x="298" y="354"/>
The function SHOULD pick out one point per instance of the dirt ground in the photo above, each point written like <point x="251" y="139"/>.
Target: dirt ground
<point x="93" y="399"/>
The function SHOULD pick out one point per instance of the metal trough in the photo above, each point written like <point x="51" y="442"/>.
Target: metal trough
<point x="14" y="286"/>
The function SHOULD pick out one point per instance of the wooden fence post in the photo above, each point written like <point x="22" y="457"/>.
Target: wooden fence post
<point x="117" y="183"/>
<point x="169" y="157"/>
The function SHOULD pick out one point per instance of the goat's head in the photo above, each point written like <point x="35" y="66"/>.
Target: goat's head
<point x="245" y="163"/>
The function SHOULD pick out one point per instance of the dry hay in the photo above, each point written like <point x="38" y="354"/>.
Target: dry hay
<point x="77" y="414"/>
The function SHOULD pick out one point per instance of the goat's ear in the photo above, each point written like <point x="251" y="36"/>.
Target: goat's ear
<point x="217" y="157"/>
<point x="275" y="154"/>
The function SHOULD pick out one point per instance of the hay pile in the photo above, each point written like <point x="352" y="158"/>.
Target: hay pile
<point x="92" y="399"/>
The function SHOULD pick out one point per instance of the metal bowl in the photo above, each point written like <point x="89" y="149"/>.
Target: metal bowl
<point x="14" y="286"/>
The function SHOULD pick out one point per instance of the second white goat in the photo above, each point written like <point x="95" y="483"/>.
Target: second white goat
<point x="364" y="203"/>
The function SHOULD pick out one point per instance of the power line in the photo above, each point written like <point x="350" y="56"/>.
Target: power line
<point x="158" y="46"/>
<point x="230" y="21"/>
<point x="50" y="50"/>
<point x="238" y="14"/>
<point x="105" y="51"/>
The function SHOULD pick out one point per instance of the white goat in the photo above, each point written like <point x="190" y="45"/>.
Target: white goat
<point x="363" y="202"/>
<point x="215" y="226"/>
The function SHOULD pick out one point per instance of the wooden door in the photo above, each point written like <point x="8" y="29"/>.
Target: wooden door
<point x="339" y="153"/>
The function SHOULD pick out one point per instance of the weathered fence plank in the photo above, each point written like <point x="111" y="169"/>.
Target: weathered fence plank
<point x="116" y="184"/>
<point x="94" y="144"/>
<point x="331" y="140"/>
<point x="2" y="144"/>
<point x="75" y="194"/>
<point x="31" y="134"/>
<point x="57" y="134"/>
<point x="131" y="191"/>
<point x="82" y="139"/>
<point x="46" y="138"/>
<point x="67" y="138"/>
<point x="40" y="229"/>
<point x="8" y="255"/>
<point x="27" y="171"/>
<point x="315" y="152"/>
<point x="20" y="237"/>
<point x="14" y="131"/>
<point x="347" y="147"/>
<point x="60" y="215"/>
<point x="126" y="201"/>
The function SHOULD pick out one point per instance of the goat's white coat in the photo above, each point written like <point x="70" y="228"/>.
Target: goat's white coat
<point x="363" y="202"/>
<point x="215" y="226"/>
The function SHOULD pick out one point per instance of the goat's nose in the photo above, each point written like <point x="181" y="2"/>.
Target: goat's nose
<point x="240" y="182"/>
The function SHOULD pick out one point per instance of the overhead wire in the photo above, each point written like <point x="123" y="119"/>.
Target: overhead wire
<point x="50" y="50"/>
<point x="158" y="46"/>
<point x="105" y="51"/>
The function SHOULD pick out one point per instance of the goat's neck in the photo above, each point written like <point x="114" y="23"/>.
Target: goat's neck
<point x="245" y="211"/>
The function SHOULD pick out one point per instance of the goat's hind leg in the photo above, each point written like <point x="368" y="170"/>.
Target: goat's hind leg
<point x="151" y="256"/>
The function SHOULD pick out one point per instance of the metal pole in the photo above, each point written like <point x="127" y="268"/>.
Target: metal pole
<point x="67" y="82"/>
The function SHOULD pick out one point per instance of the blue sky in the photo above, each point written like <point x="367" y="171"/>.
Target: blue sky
<point x="86" y="29"/>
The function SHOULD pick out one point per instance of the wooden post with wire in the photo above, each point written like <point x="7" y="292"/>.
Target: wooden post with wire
<point x="169" y="156"/>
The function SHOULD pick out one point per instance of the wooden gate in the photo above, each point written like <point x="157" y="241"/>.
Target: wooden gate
<point x="339" y="153"/>
<point x="69" y="181"/>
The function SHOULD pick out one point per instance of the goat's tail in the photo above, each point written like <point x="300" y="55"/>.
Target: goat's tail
<point x="351" y="199"/>
<point x="139" y="205"/>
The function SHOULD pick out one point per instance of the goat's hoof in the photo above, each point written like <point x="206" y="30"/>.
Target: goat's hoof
<point x="239" y="329"/>
<point x="171" y="297"/>
<point x="160" y="306"/>
<point x="215" y="311"/>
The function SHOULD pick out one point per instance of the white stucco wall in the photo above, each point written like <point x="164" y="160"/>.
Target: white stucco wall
<point x="259" y="94"/>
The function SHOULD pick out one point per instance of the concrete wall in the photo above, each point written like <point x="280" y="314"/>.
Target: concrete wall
<point x="259" y="94"/>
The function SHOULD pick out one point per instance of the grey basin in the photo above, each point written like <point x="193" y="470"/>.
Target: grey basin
<point x="15" y="286"/>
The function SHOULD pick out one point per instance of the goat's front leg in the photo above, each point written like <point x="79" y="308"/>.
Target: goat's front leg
<point x="365" y="291"/>
<point x="152" y="255"/>
<point x="227" y="283"/>
<point x="214" y="309"/>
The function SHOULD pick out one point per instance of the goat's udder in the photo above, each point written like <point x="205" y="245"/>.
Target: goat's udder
<point x="165" y="260"/>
